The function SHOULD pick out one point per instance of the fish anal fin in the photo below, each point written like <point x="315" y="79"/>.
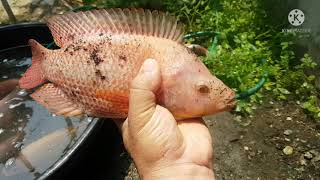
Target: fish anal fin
<point x="56" y="101"/>
<point x="72" y="27"/>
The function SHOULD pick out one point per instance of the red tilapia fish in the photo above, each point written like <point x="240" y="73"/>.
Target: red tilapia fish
<point x="101" y="51"/>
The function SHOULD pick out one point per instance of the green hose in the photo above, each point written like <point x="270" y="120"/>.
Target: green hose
<point x="213" y="50"/>
<point x="254" y="89"/>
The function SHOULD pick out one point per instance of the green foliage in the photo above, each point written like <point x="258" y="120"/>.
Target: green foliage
<point x="312" y="106"/>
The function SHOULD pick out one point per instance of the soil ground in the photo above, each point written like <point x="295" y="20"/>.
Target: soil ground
<point x="252" y="147"/>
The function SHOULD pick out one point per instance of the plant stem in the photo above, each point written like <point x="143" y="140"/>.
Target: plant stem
<point x="6" y="6"/>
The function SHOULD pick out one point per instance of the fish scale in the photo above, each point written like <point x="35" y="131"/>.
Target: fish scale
<point x="97" y="61"/>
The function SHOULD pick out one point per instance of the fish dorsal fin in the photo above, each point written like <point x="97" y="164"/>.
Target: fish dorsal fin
<point x="72" y="27"/>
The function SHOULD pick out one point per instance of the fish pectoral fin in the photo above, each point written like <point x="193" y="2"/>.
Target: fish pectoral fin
<point x="54" y="99"/>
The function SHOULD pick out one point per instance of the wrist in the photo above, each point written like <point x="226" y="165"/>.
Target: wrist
<point x="179" y="171"/>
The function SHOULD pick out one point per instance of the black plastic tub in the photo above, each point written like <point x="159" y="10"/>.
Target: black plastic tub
<point x="14" y="44"/>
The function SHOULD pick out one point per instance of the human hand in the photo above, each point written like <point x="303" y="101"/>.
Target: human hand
<point x="161" y="147"/>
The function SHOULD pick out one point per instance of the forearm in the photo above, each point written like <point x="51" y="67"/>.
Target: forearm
<point x="182" y="171"/>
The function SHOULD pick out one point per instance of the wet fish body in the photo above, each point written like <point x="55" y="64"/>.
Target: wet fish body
<point x="102" y="51"/>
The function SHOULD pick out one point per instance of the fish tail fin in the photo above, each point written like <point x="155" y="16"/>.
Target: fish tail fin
<point x="34" y="76"/>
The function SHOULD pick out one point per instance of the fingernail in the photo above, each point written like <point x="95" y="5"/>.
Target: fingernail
<point x="149" y="66"/>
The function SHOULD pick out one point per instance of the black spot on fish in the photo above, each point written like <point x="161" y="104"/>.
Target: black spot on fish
<point x="68" y="48"/>
<point x="98" y="73"/>
<point x="95" y="57"/>
<point x="73" y="94"/>
<point x="223" y="90"/>
<point x="107" y="39"/>
<point x="123" y="58"/>
<point x="77" y="48"/>
<point x="101" y="34"/>
<point x="73" y="48"/>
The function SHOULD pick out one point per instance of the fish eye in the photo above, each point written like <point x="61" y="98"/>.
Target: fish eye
<point x="203" y="88"/>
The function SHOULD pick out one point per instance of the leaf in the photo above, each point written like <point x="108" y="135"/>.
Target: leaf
<point x="248" y="110"/>
<point x="306" y="105"/>
<point x="284" y="91"/>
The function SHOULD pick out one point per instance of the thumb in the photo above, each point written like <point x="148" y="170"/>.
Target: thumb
<point x="142" y="100"/>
